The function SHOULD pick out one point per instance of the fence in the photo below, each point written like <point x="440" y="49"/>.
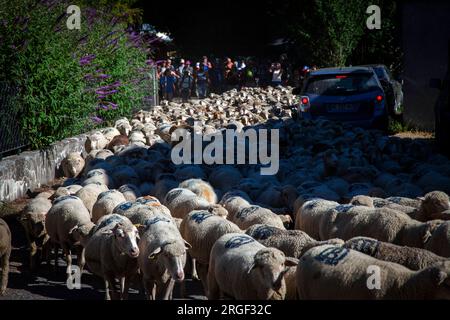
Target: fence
<point x="11" y="137"/>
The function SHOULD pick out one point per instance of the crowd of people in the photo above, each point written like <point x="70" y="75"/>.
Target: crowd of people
<point x="186" y="80"/>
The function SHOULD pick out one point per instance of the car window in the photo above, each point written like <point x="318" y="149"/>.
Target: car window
<point x="382" y="73"/>
<point x="341" y="84"/>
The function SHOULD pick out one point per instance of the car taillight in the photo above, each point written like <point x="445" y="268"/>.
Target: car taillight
<point x="379" y="98"/>
<point x="305" y="100"/>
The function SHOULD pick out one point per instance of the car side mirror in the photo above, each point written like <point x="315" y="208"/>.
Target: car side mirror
<point x="296" y="91"/>
<point x="435" y="83"/>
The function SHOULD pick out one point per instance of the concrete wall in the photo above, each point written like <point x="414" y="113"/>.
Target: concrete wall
<point x="31" y="169"/>
<point x="425" y="39"/>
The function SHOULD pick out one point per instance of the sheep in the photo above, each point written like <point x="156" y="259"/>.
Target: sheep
<point x="335" y="272"/>
<point x="105" y="204"/>
<point x="123" y="126"/>
<point x="124" y="174"/>
<point x="110" y="133"/>
<point x="164" y="183"/>
<point x="291" y="283"/>
<point x="430" y="207"/>
<point x="66" y="191"/>
<point x="309" y="215"/>
<point x="112" y="253"/>
<point x="5" y="253"/>
<point x="72" y="165"/>
<point x="439" y="242"/>
<point x="98" y="176"/>
<point x="89" y="193"/>
<point x="95" y="141"/>
<point x="384" y="224"/>
<point x="242" y="268"/>
<point x="130" y="192"/>
<point x="201" y="229"/>
<point x="162" y="258"/>
<point x="66" y="214"/>
<point x="139" y="211"/>
<point x="201" y="188"/>
<point x="119" y="140"/>
<point x="224" y="178"/>
<point x="253" y="214"/>
<point x="233" y="201"/>
<point x="33" y="222"/>
<point x="293" y="243"/>
<point x="182" y="201"/>
<point x="411" y="258"/>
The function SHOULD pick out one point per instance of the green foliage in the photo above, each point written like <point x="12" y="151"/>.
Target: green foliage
<point x="334" y="33"/>
<point x="61" y="72"/>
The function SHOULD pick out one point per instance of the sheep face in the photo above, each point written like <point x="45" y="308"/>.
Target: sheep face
<point x="35" y="224"/>
<point x="218" y="210"/>
<point x="126" y="239"/>
<point x="269" y="266"/>
<point x="173" y="258"/>
<point x="435" y="202"/>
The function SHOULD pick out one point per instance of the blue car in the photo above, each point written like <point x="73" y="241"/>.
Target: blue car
<point x="350" y="94"/>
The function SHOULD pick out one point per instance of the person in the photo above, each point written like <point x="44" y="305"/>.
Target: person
<point x="202" y="80"/>
<point x="180" y="69"/>
<point x="167" y="83"/>
<point x="277" y="74"/>
<point x="186" y="83"/>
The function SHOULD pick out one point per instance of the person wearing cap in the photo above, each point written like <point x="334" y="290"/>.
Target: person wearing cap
<point x="181" y="67"/>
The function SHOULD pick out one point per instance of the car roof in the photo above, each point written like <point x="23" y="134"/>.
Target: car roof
<point x="341" y="70"/>
<point x="375" y="65"/>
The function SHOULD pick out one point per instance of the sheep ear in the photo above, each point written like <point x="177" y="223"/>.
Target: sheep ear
<point x="420" y="198"/>
<point x="153" y="255"/>
<point x="107" y="232"/>
<point x="22" y="218"/>
<point x="187" y="244"/>
<point x="291" y="262"/>
<point x="73" y="229"/>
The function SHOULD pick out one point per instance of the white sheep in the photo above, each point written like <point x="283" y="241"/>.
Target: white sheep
<point x="73" y="165"/>
<point x="105" y="204"/>
<point x="201" y="229"/>
<point x="242" y="268"/>
<point x="112" y="253"/>
<point x="163" y="256"/>
<point x="33" y="221"/>
<point x="89" y="193"/>
<point x="201" y="188"/>
<point x="334" y="272"/>
<point x="182" y="201"/>
<point x="95" y="141"/>
<point x="5" y="253"/>
<point x="66" y="214"/>
<point x="253" y="214"/>
<point x="309" y="215"/>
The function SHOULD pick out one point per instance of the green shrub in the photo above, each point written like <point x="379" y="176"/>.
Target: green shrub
<point x="70" y="81"/>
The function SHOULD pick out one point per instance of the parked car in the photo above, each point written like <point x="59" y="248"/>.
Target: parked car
<point x="349" y="94"/>
<point x="442" y="113"/>
<point x="392" y="89"/>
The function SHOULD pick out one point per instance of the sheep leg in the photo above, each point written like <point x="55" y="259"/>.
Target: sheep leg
<point x="194" y="270"/>
<point x="107" y="295"/>
<point x="112" y="288"/>
<point x="167" y="289"/>
<point x="5" y="272"/>
<point x="203" y="274"/>
<point x="126" y="286"/>
<point x="149" y="287"/>
<point x="33" y="251"/>
<point x="81" y="260"/>
<point x="68" y="256"/>
<point x="56" y="249"/>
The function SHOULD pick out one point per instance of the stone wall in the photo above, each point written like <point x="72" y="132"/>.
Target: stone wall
<point x="31" y="169"/>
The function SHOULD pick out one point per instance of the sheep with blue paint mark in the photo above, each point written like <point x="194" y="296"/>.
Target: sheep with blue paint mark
<point x="257" y="272"/>
<point x="201" y="229"/>
<point x="334" y="272"/>
<point x="105" y="204"/>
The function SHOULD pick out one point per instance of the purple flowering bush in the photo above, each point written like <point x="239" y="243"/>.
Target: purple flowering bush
<point x="71" y="81"/>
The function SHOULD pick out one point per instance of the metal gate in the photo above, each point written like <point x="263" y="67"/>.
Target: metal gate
<point x="11" y="137"/>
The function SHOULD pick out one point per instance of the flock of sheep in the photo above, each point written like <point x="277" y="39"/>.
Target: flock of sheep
<point x="344" y="200"/>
